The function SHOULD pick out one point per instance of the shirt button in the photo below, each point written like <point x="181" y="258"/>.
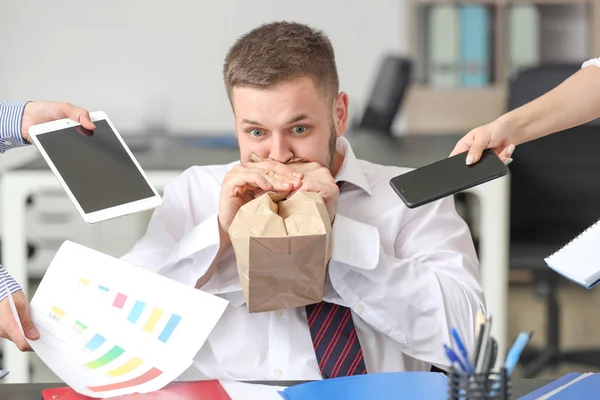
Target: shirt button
<point x="360" y="308"/>
<point x="280" y="312"/>
<point x="278" y="373"/>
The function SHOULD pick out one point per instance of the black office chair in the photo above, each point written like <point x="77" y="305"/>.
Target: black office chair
<point x="555" y="195"/>
<point x="387" y="95"/>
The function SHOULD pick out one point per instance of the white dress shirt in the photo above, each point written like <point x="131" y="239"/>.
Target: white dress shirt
<point x="408" y="276"/>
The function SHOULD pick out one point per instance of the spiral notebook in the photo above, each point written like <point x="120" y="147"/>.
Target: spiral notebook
<point x="579" y="260"/>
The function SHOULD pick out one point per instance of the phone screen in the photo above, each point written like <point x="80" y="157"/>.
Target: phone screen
<point x="446" y="177"/>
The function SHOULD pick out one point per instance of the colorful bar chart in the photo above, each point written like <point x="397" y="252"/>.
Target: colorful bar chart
<point x="146" y="377"/>
<point x="79" y="326"/>
<point x="136" y="311"/>
<point x="152" y="320"/>
<point x="169" y="328"/>
<point x="57" y="313"/>
<point x="120" y="300"/>
<point x="110" y="356"/>
<point x="127" y="367"/>
<point x="95" y="342"/>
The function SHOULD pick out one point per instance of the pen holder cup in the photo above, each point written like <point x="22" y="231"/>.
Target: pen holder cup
<point x="482" y="386"/>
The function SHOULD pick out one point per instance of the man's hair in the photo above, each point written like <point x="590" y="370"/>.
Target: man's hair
<point x="278" y="52"/>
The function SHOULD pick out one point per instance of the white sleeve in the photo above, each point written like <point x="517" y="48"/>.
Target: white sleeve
<point x="180" y="243"/>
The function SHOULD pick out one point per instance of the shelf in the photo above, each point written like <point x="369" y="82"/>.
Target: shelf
<point x="503" y="2"/>
<point x="430" y="110"/>
<point x="434" y="110"/>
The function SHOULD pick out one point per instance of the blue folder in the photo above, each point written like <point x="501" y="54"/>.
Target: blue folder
<point x="475" y="45"/>
<point x="391" y="385"/>
<point x="586" y="388"/>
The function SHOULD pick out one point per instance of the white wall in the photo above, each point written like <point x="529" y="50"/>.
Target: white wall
<point x="138" y="60"/>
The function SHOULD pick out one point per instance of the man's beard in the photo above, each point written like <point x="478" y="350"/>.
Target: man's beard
<point x="332" y="146"/>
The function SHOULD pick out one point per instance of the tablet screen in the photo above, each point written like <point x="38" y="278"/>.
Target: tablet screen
<point x="95" y="166"/>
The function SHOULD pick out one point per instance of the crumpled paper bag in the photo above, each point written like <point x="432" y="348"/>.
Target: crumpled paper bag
<point x="282" y="248"/>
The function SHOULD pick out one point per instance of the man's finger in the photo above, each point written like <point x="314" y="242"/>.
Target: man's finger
<point x="276" y="167"/>
<point x="327" y="191"/>
<point x="240" y="183"/>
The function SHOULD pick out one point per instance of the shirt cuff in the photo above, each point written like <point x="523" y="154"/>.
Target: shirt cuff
<point x="593" y="61"/>
<point x="11" y="122"/>
<point x="7" y="281"/>
<point x="355" y="243"/>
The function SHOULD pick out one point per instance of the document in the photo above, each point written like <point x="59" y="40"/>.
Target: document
<point x="108" y="328"/>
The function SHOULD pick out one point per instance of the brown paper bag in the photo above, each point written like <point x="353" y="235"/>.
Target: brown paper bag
<point x="282" y="248"/>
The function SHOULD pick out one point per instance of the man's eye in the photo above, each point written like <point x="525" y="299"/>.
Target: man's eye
<point x="256" y="132"/>
<point x="299" y="129"/>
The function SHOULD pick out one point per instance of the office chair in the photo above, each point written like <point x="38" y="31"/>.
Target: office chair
<point x="387" y="95"/>
<point x="555" y="195"/>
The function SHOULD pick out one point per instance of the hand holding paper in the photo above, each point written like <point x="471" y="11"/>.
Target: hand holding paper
<point x="13" y="329"/>
<point x="108" y="328"/>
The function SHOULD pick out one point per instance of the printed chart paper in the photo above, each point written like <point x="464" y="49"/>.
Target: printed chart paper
<point x="108" y="328"/>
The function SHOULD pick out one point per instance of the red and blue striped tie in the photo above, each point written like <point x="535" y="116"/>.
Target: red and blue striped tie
<point x="334" y="338"/>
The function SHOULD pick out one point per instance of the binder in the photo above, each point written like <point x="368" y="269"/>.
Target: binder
<point x="578" y="259"/>
<point x="391" y="385"/>
<point x="443" y="46"/>
<point x="475" y="45"/>
<point x="571" y="386"/>
<point x="524" y="33"/>
<point x="198" y="390"/>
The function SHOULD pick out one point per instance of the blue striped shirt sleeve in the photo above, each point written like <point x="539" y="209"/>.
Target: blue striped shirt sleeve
<point x="13" y="286"/>
<point x="11" y="118"/>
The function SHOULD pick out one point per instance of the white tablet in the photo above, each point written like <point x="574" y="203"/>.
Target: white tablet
<point x="96" y="169"/>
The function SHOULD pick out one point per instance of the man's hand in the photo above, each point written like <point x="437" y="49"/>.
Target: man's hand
<point x="318" y="179"/>
<point x="38" y="112"/>
<point x="246" y="182"/>
<point x="9" y="328"/>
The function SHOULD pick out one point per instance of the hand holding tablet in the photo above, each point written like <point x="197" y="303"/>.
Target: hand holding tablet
<point x="96" y="168"/>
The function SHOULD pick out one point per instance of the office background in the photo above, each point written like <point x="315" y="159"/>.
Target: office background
<point x="155" y="68"/>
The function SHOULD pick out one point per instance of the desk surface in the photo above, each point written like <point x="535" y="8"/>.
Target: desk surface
<point x="32" y="391"/>
<point x="405" y="151"/>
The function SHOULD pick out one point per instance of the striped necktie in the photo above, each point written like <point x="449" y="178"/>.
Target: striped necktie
<point x="334" y="339"/>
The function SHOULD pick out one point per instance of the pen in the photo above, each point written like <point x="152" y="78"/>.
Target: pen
<point x="462" y="349"/>
<point x="453" y="357"/>
<point x="485" y="339"/>
<point x="512" y="358"/>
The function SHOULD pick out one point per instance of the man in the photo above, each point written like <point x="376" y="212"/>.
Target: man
<point x="15" y="119"/>
<point x="398" y="279"/>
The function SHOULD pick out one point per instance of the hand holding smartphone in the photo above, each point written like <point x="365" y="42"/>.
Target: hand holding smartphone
<point x="446" y="177"/>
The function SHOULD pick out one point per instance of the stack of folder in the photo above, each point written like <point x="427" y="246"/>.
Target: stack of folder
<point x="392" y="385"/>
<point x="571" y="386"/>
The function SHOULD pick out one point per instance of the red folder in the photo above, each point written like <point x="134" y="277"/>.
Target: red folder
<point x="197" y="390"/>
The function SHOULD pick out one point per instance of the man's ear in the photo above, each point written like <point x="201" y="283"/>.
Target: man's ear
<point x="340" y="113"/>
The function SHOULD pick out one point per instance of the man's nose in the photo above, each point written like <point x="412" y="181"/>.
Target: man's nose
<point x="280" y="149"/>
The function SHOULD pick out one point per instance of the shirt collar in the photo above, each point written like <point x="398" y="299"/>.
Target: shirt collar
<point x="350" y="171"/>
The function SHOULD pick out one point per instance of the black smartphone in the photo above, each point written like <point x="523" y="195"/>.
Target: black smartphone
<point x="446" y="177"/>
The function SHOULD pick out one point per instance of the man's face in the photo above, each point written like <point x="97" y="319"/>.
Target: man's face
<point x="289" y="120"/>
